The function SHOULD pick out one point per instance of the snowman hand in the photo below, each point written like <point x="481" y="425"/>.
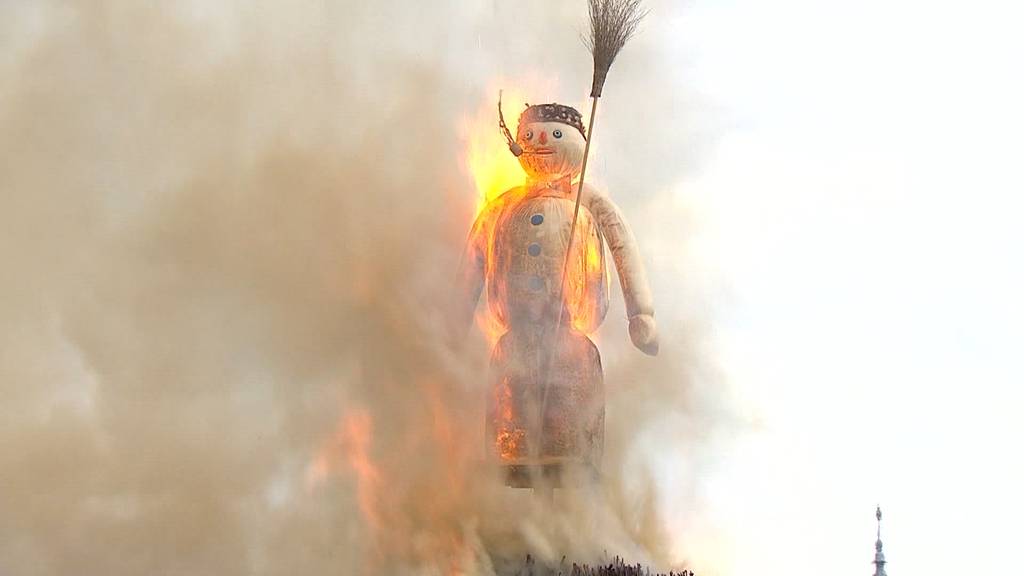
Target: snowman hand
<point x="644" y="333"/>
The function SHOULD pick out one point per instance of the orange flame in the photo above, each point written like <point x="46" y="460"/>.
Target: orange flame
<point x="494" y="170"/>
<point x="490" y="163"/>
<point x="578" y="300"/>
<point x="353" y="439"/>
<point x="394" y="508"/>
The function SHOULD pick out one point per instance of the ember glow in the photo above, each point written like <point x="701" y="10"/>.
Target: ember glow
<point x="509" y="437"/>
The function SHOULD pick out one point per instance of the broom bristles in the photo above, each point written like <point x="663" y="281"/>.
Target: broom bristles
<point x="612" y="23"/>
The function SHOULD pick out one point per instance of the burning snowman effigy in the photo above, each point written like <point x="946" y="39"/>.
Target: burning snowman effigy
<point x="546" y="284"/>
<point x="538" y="251"/>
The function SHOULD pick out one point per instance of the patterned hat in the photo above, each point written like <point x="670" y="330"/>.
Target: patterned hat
<point x="553" y="113"/>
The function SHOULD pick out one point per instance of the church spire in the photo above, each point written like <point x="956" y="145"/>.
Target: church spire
<point x="879" y="556"/>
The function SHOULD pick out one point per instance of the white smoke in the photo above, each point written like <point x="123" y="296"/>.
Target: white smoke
<point x="227" y="230"/>
<point x="228" y="233"/>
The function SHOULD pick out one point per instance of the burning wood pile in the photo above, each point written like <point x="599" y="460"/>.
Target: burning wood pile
<point x="616" y="567"/>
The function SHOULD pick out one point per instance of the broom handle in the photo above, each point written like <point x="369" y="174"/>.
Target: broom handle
<point x="576" y="210"/>
<point x="565" y="267"/>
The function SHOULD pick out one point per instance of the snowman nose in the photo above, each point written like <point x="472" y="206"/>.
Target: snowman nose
<point x="543" y="137"/>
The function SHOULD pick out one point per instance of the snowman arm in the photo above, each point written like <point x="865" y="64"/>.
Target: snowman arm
<point x="469" y="280"/>
<point x="622" y="245"/>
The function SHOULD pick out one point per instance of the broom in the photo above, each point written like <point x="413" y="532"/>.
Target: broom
<point x="612" y="23"/>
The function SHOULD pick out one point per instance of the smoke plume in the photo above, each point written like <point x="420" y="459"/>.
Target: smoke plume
<point x="227" y="234"/>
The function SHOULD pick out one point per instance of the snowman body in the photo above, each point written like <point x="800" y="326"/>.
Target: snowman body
<point x="546" y="286"/>
<point x="528" y="251"/>
<point x="546" y="384"/>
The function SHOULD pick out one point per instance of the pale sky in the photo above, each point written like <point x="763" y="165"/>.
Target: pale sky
<point x="863" y="205"/>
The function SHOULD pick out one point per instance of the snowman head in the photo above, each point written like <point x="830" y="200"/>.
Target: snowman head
<point x="551" y="136"/>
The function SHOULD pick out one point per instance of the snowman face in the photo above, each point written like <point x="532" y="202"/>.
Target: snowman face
<point x="551" y="150"/>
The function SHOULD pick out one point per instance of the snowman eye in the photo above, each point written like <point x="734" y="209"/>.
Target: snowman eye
<point x="528" y="135"/>
<point x="557" y="133"/>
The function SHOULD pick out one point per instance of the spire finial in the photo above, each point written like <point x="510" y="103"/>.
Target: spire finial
<point x="878" y="516"/>
<point x="879" y="556"/>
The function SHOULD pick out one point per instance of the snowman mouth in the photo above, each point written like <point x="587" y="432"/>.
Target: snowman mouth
<point x="544" y="151"/>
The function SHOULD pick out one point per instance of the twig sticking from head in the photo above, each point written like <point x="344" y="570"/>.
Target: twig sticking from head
<point x="513" y="146"/>
<point x="612" y="23"/>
